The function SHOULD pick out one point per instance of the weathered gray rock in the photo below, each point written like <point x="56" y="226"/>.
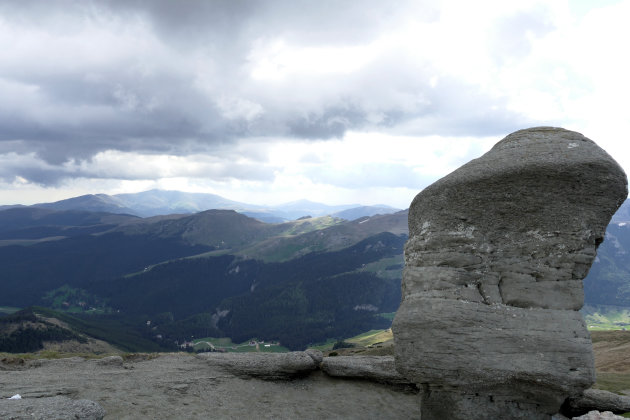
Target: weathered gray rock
<point x="595" y="399"/>
<point x="497" y="252"/>
<point x="51" y="408"/>
<point x="316" y="355"/>
<point x="263" y="365"/>
<point x="596" y="415"/>
<point x="376" y="368"/>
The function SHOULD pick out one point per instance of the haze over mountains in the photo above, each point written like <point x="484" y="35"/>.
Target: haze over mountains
<point x="162" y="202"/>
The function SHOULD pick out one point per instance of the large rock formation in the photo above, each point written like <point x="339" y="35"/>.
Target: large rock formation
<point x="488" y="325"/>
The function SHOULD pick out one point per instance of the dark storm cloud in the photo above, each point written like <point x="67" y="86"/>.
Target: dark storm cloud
<point x="80" y="77"/>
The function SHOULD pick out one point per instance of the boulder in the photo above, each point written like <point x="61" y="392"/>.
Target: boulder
<point x="488" y="324"/>
<point x="50" y="408"/>
<point x="595" y="399"/>
<point x="375" y="368"/>
<point x="270" y="366"/>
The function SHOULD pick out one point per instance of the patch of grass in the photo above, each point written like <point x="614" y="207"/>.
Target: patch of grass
<point x="613" y="382"/>
<point x="604" y="317"/>
<point x="366" y="339"/>
<point x="388" y="268"/>
<point x="325" y="346"/>
<point x="371" y="337"/>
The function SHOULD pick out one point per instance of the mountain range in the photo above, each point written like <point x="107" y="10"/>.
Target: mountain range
<point x="161" y="202"/>
<point x="219" y="272"/>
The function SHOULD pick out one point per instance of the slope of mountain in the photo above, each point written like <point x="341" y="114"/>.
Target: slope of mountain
<point x="39" y="223"/>
<point x="338" y="236"/>
<point x="37" y="328"/>
<point x="223" y="229"/>
<point x="24" y="332"/>
<point x="608" y="282"/>
<point x="308" y="299"/>
<point x="84" y="259"/>
<point x="137" y="269"/>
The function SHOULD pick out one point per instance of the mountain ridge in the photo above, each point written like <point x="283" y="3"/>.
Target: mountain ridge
<point x="162" y="202"/>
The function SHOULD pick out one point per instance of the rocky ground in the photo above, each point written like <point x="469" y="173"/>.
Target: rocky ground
<point x="211" y="386"/>
<point x="184" y="386"/>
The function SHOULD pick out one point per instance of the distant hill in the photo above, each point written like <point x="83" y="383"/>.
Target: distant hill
<point x="90" y="202"/>
<point x="39" y="223"/>
<point x="37" y="328"/>
<point x="332" y="238"/>
<point x="363" y="211"/>
<point x="157" y="202"/>
<point x="24" y="332"/>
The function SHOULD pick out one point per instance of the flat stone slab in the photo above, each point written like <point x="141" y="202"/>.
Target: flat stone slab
<point x="377" y="368"/>
<point x="272" y="366"/>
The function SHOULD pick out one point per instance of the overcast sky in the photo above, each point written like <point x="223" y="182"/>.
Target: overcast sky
<point x="358" y="101"/>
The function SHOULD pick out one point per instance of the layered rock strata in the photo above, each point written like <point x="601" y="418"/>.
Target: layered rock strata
<point x="375" y="368"/>
<point x="488" y="325"/>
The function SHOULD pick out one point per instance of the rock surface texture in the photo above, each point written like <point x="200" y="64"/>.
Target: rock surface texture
<point x="271" y="366"/>
<point x="181" y="386"/>
<point x="50" y="408"/>
<point x="595" y="400"/>
<point x="376" y="368"/>
<point x="496" y="255"/>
